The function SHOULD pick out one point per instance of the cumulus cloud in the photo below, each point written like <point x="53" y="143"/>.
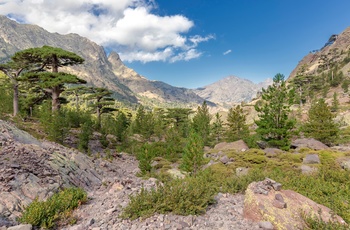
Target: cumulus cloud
<point x="128" y="26"/>
<point x="227" y="52"/>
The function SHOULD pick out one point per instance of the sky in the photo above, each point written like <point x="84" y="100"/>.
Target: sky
<point x="193" y="43"/>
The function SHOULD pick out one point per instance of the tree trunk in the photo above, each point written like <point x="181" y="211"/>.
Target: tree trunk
<point x="98" y="112"/>
<point x="15" y="100"/>
<point x="55" y="99"/>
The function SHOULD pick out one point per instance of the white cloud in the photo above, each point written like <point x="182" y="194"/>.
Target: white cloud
<point x="129" y="26"/>
<point x="227" y="52"/>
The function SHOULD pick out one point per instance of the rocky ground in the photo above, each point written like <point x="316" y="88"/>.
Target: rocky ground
<point x="106" y="204"/>
<point x="30" y="168"/>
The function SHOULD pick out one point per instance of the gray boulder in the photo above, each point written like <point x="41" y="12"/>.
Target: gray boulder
<point x="305" y="169"/>
<point x="239" y="146"/>
<point x="345" y="164"/>
<point x="241" y="171"/>
<point x="21" y="227"/>
<point x="310" y="143"/>
<point x="271" y="152"/>
<point x="312" y="159"/>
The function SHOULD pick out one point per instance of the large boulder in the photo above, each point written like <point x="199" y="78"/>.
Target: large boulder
<point x="308" y="143"/>
<point x="311" y="159"/>
<point x="344" y="163"/>
<point x="264" y="201"/>
<point x="239" y="146"/>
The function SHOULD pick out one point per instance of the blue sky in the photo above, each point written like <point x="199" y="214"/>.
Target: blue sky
<point x="192" y="43"/>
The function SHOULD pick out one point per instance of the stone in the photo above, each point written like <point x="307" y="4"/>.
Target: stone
<point x="239" y="146"/>
<point x="241" y="171"/>
<point x="271" y="152"/>
<point x="21" y="227"/>
<point x="224" y="159"/>
<point x="311" y="159"/>
<point x="345" y="164"/>
<point x="279" y="204"/>
<point x="266" y="225"/>
<point x="308" y="143"/>
<point x="262" y="144"/>
<point x="259" y="207"/>
<point x="175" y="173"/>
<point x="305" y="169"/>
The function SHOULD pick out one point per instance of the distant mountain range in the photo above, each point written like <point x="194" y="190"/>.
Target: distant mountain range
<point x="111" y="73"/>
<point x="230" y="90"/>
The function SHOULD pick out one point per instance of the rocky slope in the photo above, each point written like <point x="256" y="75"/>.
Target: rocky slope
<point x="98" y="69"/>
<point x="95" y="70"/>
<point x="334" y="53"/>
<point x="152" y="92"/>
<point x="231" y="90"/>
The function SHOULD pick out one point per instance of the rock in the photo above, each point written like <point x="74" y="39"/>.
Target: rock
<point x="21" y="227"/>
<point x="242" y="171"/>
<point x="271" y="152"/>
<point x="266" y="225"/>
<point x="224" y="159"/>
<point x="239" y="146"/>
<point x="312" y="159"/>
<point x="175" y="173"/>
<point x="305" y="169"/>
<point x="279" y="204"/>
<point x="308" y="143"/>
<point x="259" y="207"/>
<point x="262" y="144"/>
<point x="345" y="163"/>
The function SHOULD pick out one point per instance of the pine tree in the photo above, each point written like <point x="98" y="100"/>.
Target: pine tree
<point x="217" y="128"/>
<point x="192" y="158"/>
<point x="335" y="103"/>
<point x="236" y="121"/>
<point x="320" y="124"/>
<point x="201" y="122"/>
<point x="274" y="124"/>
<point x="46" y="61"/>
<point x="102" y="102"/>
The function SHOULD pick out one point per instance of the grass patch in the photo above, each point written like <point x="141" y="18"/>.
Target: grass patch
<point x="58" y="208"/>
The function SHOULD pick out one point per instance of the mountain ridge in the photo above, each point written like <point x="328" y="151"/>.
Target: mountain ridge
<point x="226" y="92"/>
<point x="110" y="72"/>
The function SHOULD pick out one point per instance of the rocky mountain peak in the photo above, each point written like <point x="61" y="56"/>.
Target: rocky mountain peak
<point x="230" y="90"/>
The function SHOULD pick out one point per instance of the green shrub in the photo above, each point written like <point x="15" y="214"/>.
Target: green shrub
<point x="145" y="157"/>
<point x="46" y="214"/>
<point x="189" y="196"/>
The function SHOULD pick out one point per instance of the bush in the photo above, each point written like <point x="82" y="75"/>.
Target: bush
<point x="189" y="196"/>
<point x="46" y="214"/>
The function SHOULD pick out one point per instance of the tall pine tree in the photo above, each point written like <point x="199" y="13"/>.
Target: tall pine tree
<point x="274" y="124"/>
<point x="320" y="124"/>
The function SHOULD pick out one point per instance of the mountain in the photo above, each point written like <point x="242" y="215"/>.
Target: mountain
<point x="98" y="69"/>
<point x="152" y="92"/>
<point x="335" y="52"/>
<point x="231" y="90"/>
